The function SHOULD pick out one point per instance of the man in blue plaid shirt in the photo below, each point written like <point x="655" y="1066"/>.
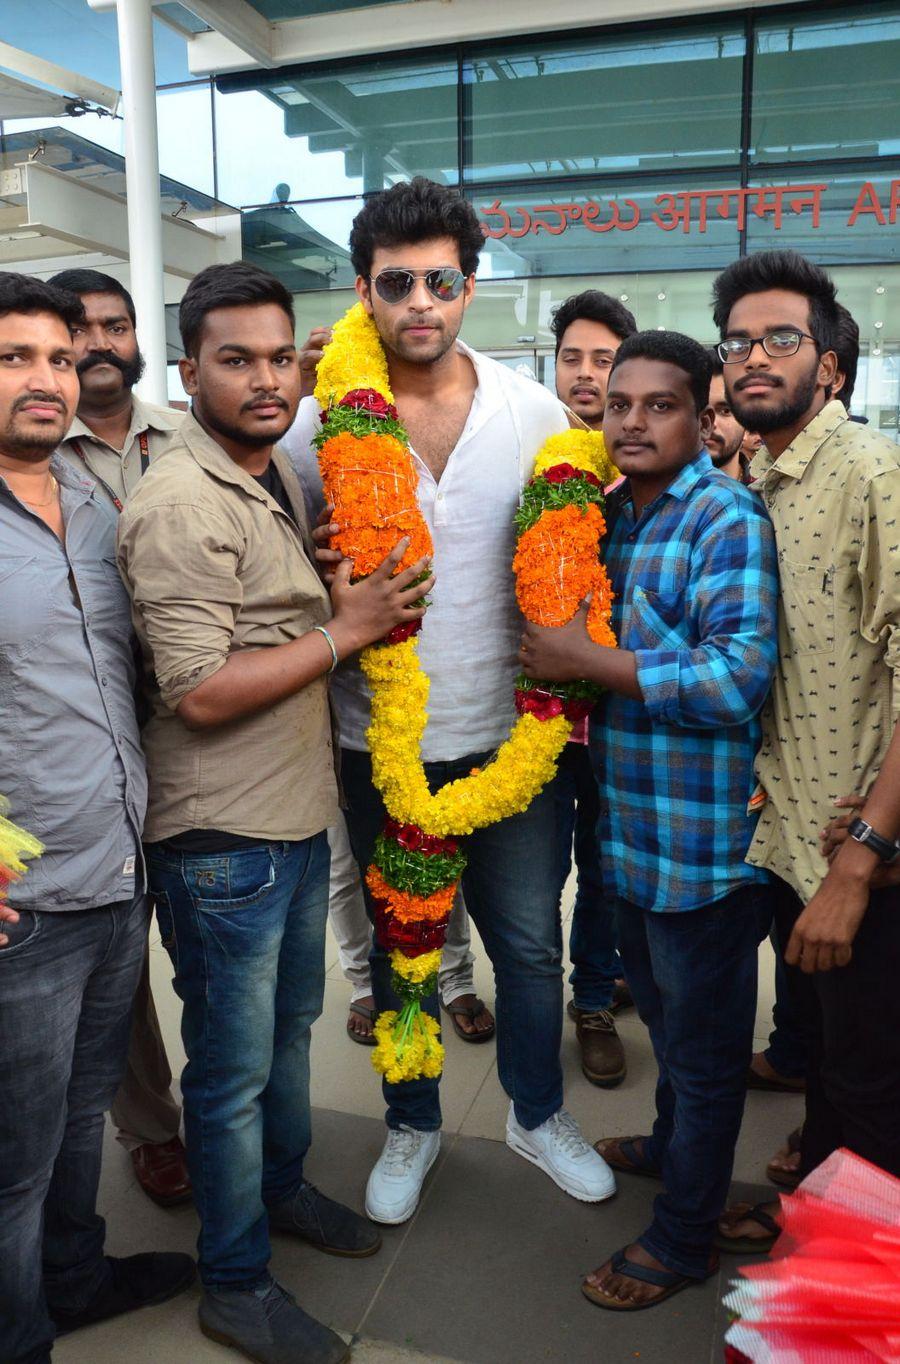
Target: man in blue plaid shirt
<point x="691" y="555"/>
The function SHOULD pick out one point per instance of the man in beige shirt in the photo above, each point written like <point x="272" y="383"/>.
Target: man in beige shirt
<point x="238" y="636"/>
<point x="832" y="489"/>
<point x="113" y="438"/>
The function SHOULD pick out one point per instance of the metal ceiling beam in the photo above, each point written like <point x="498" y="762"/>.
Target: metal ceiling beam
<point x="404" y="26"/>
<point x="57" y="77"/>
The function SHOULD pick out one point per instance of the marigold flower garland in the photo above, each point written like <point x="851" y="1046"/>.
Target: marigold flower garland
<point x="370" y="478"/>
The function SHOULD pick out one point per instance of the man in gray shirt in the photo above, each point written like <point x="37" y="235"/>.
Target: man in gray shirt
<point x="73" y="932"/>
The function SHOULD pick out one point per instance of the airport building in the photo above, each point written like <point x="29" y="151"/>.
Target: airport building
<point x="635" y="147"/>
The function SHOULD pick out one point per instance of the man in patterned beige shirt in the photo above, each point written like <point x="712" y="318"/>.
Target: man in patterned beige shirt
<point x="830" y="730"/>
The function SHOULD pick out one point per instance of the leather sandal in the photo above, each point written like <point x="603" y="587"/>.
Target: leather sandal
<point x="666" y="1279"/>
<point x="627" y="1158"/>
<point x="749" y="1245"/>
<point x="786" y="1179"/>
<point x="457" y="1010"/>
<point x="364" y="1012"/>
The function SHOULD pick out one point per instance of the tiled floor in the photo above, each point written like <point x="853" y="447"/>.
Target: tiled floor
<point x="488" y="1270"/>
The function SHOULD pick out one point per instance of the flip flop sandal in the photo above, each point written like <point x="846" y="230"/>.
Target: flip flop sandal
<point x="364" y="1012"/>
<point x="635" y="1163"/>
<point x="666" y="1279"/>
<point x="462" y="1011"/>
<point x="786" y="1179"/>
<point x="751" y="1245"/>
<point x="781" y="1084"/>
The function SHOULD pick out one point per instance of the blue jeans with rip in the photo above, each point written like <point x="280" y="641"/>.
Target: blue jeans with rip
<point x="246" y="933"/>
<point x="693" y="977"/>
<point x="592" y="936"/>
<point x="511" y="888"/>
<point x="67" y="981"/>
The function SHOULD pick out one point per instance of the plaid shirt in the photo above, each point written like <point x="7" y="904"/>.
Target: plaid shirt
<point x="696" y="586"/>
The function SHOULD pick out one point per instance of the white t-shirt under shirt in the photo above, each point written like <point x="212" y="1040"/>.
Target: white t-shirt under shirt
<point x="470" y="638"/>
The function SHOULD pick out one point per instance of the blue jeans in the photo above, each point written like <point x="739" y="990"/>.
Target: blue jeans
<point x="592" y="936"/>
<point x="693" y="978"/>
<point x="511" y="888"/>
<point x="67" y="980"/>
<point x="246" y="933"/>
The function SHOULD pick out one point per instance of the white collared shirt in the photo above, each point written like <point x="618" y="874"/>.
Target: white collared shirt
<point x="470" y="639"/>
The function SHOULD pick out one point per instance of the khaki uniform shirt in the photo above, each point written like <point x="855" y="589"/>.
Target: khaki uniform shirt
<point x="120" y="471"/>
<point x="834" y="499"/>
<point x="214" y="565"/>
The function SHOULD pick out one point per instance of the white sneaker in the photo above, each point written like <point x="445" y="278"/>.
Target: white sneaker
<point x="392" y="1193"/>
<point x="558" y="1148"/>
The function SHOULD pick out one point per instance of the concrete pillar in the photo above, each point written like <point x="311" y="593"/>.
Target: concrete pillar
<point x="135" y="21"/>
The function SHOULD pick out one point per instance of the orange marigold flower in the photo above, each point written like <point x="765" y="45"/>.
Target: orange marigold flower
<point x="598" y="616"/>
<point x="557" y="563"/>
<point x="372" y="483"/>
<point x="409" y="908"/>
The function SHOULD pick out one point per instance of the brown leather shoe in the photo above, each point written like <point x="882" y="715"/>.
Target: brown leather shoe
<point x="602" y="1053"/>
<point x="162" y="1172"/>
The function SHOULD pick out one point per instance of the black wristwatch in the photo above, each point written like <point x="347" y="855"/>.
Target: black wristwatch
<point x="882" y="847"/>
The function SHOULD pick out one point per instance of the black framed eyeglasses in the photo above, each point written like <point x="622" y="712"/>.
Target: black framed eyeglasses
<point x="443" y="283"/>
<point x="778" y="344"/>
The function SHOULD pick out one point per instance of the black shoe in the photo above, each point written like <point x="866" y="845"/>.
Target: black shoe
<point x="266" y="1325"/>
<point x="327" y="1225"/>
<point x="135" y="1281"/>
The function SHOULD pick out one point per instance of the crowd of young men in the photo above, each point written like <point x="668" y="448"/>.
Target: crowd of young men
<point x="752" y="689"/>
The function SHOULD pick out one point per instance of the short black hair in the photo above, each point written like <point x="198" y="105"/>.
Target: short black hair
<point x="26" y="294"/>
<point x="718" y="365"/>
<point x="227" y="286"/>
<point x="779" y="270"/>
<point x="592" y="306"/>
<point x="94" y="282"/>
<point x="846" y="348"/>
<point x="673" y="348"/>
<point x="415" y="211"/>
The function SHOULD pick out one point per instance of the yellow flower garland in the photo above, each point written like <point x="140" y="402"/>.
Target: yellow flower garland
<point x="352" y="387"/>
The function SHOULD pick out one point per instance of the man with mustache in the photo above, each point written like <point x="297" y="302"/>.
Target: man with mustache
<point x="589" y="328"/>
<point x="73" y="933"/>
<point x="115" y="434"/>
<point x="691" y="557"/>
<point x="832" y="489"/>
<point x="113" y="437"/>
<point x="726" y="437"/>
<point x="238" y="637"/>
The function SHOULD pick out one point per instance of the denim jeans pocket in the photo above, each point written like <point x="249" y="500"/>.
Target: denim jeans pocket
<point x="166" y="924"/>
<point x="235" y="881"/>
<point x="22" y="935"/>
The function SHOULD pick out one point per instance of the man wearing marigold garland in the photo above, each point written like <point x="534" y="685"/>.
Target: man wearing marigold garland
<point x="691" y="557"/>
<point x="474" y="429"/>
<point x="238" y="637"/>
<point x="589" y="328"/>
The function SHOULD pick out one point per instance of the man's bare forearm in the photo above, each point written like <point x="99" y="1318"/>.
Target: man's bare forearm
<point x="255" y="679"/>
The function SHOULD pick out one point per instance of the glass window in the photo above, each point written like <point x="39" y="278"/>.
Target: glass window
<point x="832" y="219"/>
<point x="349" y="131"/>
<point x="184" y="120"/>
<point x="605" y="230"/>
<point x="305" y="245"/>
<point x="645" y="100"/>
<point x="827" y="85"/>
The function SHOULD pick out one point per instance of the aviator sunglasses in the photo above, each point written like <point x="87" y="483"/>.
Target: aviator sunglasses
<point x="443" y="283"/>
